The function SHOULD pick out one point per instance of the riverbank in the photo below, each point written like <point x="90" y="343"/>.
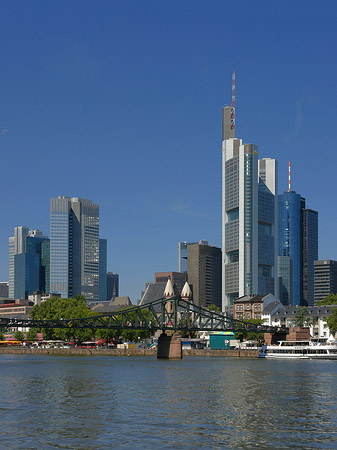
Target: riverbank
<point x="126" y="352"/>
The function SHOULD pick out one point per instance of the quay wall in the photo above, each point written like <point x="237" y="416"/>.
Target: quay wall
<point x="126" y="352"/>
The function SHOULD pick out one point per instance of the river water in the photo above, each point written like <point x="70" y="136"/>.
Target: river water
<point x="93" y="403"/>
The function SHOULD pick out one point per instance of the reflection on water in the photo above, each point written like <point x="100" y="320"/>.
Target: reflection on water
<point x="88" y="403"/>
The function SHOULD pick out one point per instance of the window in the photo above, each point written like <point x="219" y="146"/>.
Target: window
<point x="247" y="307"/>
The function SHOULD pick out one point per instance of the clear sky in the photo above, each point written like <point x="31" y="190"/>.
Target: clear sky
<point x="120" y="102"/>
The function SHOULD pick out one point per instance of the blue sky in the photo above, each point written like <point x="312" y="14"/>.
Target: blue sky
<point x="121" y="102"/>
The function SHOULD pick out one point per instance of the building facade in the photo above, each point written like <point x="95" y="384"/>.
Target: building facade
<point x="74" y="247"/>
<point x="298" y="239"/>
<point x="204" y="274"/>
<point x="103" y="253"/>
<point x="27" y="263"/>
<point x="309" y="254"/>
<point x="249" y="218"/>
<point x="177" y="278"/>
<point x="325" y="278"/>
<point x="112" y="285"/>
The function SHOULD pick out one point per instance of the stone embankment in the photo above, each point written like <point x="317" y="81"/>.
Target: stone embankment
<point x="125" y="352"/>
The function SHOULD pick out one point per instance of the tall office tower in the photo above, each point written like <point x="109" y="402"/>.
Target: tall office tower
<point x="309" y="254"/>
<point x="290" y="237"/>
<point x="102" y="270"/>
<point x="74" y="247"/>
<point x="298" y="239"/>
<point x="204" y="274"/>
<point x="112" y="285"/>
<point x="239" y="211"/>
<point x="325" y="278"/>
<point x="249" y="216"/>
<point x="26" y="265"/>
<point x="182" y="254"/>
<point x="268" y="227"/>
<point x="17" y="245"/>
<point x="285" y="279"/>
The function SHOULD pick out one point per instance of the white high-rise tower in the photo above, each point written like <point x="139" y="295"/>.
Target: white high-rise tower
<point x="247" y="226"/>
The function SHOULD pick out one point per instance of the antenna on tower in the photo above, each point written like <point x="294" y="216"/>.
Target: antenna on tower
<point x="289" y="177"/>
<point x="233" y="102"/>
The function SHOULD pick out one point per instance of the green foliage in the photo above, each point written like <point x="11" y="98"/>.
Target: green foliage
<point x="332" y="322"/>
<point x="214" y="308"/>
<point x="31" y="335"/>
<point x="64" y="308"/>
<point x="302" y="317"/>
<point x="19" y="336"/>
<point x="187" y="333"/>
<point x="2" y="337"/>
<point x="331" y="299"/>
<point x="251" y="335"/>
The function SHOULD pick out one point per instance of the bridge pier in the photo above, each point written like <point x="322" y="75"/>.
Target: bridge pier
<point x="169" y="346"/>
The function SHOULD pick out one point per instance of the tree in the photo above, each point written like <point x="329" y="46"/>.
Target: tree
<point x="330" y="299"/>
<point x="19" y="336"/>
<point x="31" y="335"/>
<point x="251" y="335"/>
<point x="64" y="308"/>
<point x="2" y="337"/>
<point x="213" y="307"/>
<point x="302" y="317"/>
<point x="332" y="322"/>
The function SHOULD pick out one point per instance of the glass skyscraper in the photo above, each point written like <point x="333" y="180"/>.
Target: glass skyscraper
<point x="290" y="237"/>
<point x="26" y="263"/>
<point x="74" y="247"/>
<point x="298" y="239"/>
<point x="102" y="270"/>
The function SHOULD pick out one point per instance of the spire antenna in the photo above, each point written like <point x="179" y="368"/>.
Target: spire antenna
<point x="289" y="181"/>
<point x="233" y="102"/>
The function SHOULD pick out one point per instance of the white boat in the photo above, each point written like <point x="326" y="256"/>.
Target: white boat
<point x="308" y="349"/>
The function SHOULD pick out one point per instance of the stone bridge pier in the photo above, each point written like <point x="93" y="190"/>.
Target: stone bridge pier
<point x="169" y="347"/>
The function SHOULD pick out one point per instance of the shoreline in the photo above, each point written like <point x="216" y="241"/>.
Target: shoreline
<point x="125" y="352"/>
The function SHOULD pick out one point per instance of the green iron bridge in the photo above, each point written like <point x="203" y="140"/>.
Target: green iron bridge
<point x="173" y="314"/>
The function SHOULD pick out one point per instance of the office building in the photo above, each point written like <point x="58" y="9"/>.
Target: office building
<point x="249" y="216"/>
<point x="204" y="274"/>
<point x="3" y="289"/>
<point x="285" y="278"/>
<point x="74" y="247"/>
<point x="177" y="278"/>
<point x="325" y="278"/>
<point x="182" y="254"/>
<point x="298" y="239"/>
<point x="103" y="270"/>
<point x="17" y="245"/>
<point x="26" y="263"/>
<point x="309" y="254"/>
<point x="267" y="227"/>
<point x="290" y="238"/>
<point x="112" y="285"/>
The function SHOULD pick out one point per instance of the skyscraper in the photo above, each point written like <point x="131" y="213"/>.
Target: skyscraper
<point x="74" y="247"/>
<point x="204" y="274"/>
<point x="103" y="270"/>
<point x="290" y="238"/>
<point x="26" y="264"/>
<point x="112" y="285"/>
<point x="249" y="215"/>
<point x="17" y="245"/>
<point x="325" y="278"/>
<point x="309" y="254"/>
<point x="298" y="240"/>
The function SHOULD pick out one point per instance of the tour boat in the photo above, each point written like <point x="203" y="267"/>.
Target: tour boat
<point x="308" y="349"/>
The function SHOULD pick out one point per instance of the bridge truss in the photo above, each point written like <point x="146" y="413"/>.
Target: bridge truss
<point x="173" y="314"/>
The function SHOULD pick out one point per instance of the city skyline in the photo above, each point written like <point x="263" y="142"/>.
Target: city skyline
<point x="97" y="108"/>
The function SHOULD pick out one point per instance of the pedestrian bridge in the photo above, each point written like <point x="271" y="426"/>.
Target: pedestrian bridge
<point x="174" y="314"/>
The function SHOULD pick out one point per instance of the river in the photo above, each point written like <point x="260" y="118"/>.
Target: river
<point x="92" y="403"/>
